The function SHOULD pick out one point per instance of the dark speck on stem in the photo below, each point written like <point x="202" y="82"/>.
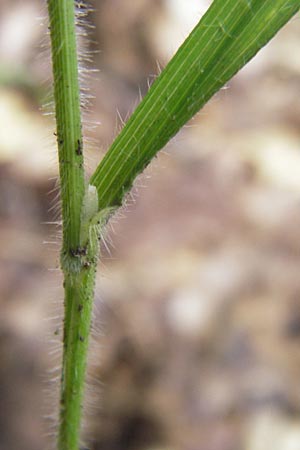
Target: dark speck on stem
<point x="79" y="148"/>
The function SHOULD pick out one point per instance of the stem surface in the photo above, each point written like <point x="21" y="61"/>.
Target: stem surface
<point x="68" y="117"/>
<point x="79" y="249"/>
<point x="79" y="292"/>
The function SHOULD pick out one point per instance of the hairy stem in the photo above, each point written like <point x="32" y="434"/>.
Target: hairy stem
<point x="80" y="270"/>
<point x="68" y="117"/>
<point x="80" y="248"/>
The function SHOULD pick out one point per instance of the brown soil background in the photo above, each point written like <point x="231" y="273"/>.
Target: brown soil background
<point x="198" y="300"/>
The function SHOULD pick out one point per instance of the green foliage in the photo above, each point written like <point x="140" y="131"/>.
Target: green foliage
<point x="228" y="35"/>
<point x="225" y="39"/>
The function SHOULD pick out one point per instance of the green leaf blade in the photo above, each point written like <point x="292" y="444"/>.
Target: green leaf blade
<point x="225" y="39"/>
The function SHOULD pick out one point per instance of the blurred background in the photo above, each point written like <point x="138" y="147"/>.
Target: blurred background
<point x="198" y="298"/>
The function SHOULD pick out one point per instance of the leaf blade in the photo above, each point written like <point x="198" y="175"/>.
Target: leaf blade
<point x="227" y="36"/>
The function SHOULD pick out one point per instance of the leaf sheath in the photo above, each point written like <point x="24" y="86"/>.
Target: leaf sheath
<point x="68" y="117"/>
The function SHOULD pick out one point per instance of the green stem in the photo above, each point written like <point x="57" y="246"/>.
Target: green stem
<point x="68" y="117"/>
<point x="80" y="244"/>
<point x="79" y="292"/>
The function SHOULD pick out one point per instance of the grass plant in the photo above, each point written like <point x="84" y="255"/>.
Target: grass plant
<point x="226" y="38"/>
